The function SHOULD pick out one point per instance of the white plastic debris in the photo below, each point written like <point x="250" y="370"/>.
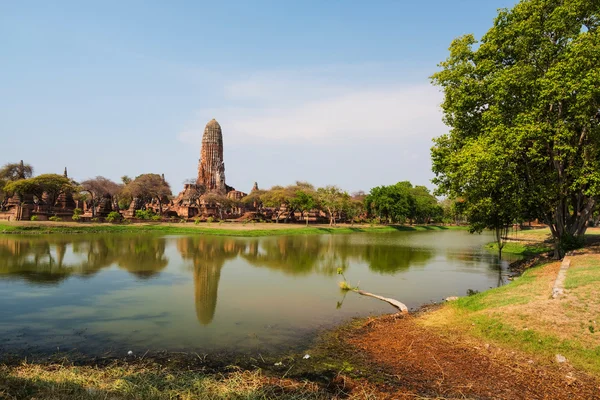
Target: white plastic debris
<point x="130" y="353"/>
<point x="277" y="364"/>
<point x="306" y="357"/>
<point x="560" y="358"/>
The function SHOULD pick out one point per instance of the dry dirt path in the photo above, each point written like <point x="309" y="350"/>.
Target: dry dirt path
<point x="421" y="364"/>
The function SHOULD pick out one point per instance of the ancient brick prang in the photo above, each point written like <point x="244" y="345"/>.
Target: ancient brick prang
<point x="211" y="169"/>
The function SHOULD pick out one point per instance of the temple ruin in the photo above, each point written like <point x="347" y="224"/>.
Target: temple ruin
<point x="201" y="199"/>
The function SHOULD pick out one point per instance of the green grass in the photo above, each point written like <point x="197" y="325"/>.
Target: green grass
<point x="519" y="291"/>
<point x="181" y="229"/>
<point x="487" y="315"/>
<point x="581" y="276"/>
<point x="520" y="248"/>
<point x="546" y="345"/>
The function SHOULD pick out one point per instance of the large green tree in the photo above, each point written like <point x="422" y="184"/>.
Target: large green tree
<point x="528" y="97"/>
<point x="390" y="203"/>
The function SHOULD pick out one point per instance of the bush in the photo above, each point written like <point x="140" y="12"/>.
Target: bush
<point x="156" y="218"/>
<point x="34" y="218"/>
<point x="146" y="214"/>
<point x="113" y="216"/>
<point x="210" y="220"/>
<point x="55" y="218"/>
<point x="197" y="220"/>
<point x="77" y="214"/>
<point x="95" y="219"/>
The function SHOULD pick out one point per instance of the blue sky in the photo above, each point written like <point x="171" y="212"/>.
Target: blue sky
<point x="333" y="92"/>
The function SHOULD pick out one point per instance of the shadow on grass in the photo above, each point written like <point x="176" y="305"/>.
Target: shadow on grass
<point x="59" y="382"/>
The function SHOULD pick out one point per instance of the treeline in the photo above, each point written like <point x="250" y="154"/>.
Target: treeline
<point x="151" y="195"/>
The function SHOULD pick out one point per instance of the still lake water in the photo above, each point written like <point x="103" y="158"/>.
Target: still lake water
<point x="209" y="294"/>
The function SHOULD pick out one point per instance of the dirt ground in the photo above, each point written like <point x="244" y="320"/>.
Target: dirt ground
<point x="418" y="363"/>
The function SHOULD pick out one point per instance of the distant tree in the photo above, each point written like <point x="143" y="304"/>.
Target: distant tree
<point x="149" y="187"/>
<point x="304" y="200"/>
<point x="390" y="203"/>
<point x="277" y="198"/>
<point x="254" y="199"/>
<point x="126" y="179"/>
<point x="98" y="187"/>
<point x="221" y="202"/>
<point x="425" y="206"/>
<point x="52" y="185"/>
<point x="352" y="207"/>
<point x="15" y="171"/>
<point x="11" y="172"/>
<point x="331" y="198"/>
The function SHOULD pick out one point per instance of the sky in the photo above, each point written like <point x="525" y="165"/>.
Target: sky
<point x="330" y="92"/>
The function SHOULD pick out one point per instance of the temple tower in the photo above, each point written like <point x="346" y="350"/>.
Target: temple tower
<point x="211" y="169"/>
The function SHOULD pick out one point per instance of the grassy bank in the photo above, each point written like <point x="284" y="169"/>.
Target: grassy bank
<point x="225" y="229"/>
<point x="523" y="316"/>
<point x="520" y="248"/>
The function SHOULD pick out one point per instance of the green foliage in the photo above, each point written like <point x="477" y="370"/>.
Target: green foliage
<point x="304" y="200"/>
<point x="520" y="248"/>
<point x="145" y="214"/>
<point x="148" y="187"/>
<point x="210" y="220"/>
<point x="392" y="203"/>
<point x="522" y="106"/>
<point x="34" y="218"/>
<point x="155" y="217"/>
<point x="197" y="220"/>
<point x="95" y="219"/>
<point x="172" y="230"/>
<point x="332" y="199"/>
<point x="76" y="217"/>
<point x="124" y="202"/>
<point x="113" y="216"/>
<point x="16" y="171"/>
<point x="50" y="185"/>
<point x="55" y="218"/>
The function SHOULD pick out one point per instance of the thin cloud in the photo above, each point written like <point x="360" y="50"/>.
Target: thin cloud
<point x="291" y="111"/>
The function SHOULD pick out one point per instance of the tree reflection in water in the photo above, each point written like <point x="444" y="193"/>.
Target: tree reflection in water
<point x="42" y="260"/>
<point x="54" y="258"/>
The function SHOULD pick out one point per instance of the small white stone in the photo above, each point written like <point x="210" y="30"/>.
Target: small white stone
<point x="130" y="353"/>
<point x="560" y="359"/>
<point x="277" y="364"/>
<point x="306" y="357"/>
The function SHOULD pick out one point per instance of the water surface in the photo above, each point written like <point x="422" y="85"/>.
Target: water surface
<point x="198" y="293"/>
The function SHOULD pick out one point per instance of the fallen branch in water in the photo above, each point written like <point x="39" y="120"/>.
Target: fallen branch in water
<point x="400" y="306"/>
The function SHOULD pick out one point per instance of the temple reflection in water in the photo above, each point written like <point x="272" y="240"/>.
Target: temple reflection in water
<point x="52" y="259"/>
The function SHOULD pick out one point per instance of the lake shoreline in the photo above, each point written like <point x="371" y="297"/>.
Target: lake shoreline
<point x="214" y="229"/>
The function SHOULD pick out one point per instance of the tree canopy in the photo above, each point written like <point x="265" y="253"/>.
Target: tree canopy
<point x="148" y="187"/>
<point x="523" y="110"/>
<point x="48" y="186"/>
